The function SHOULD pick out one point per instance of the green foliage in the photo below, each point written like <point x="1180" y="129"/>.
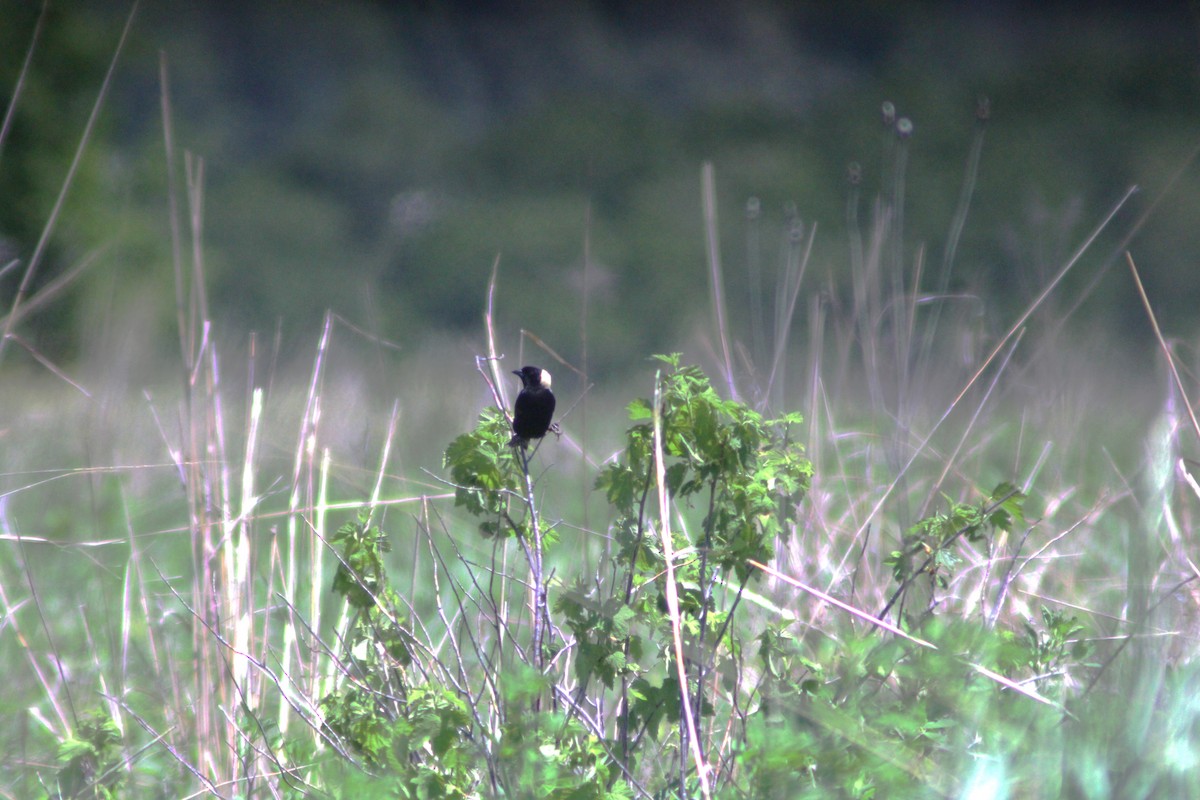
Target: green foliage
<point x="752" y="474"/>
<point x="1057" y="645"/>
<point x="860" y="717"/>
<point x="481" y="465"/>
<point x="823" y="710"/>
<point x="928" y="545"/>
<point x="419" y="738"/>
<point x="550" y="755"/>
<point x="89" y="765"/>
<point x="412" y="732"/>
<point x="878" y="718"/>
<point x="611" y="649"/>
<point x="748" y="476"/>
<point x="834" y="709"/>
<point x="360" y="573"/>
<point x="740" y="474"/>
<point x="418" y="743"/>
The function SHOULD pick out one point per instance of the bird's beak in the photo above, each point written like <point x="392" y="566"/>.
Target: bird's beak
<point x="517" y="372"/>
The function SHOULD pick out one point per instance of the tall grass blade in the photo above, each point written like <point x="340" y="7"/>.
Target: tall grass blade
<point x="18" y="87"/>
<point x="716" y="281"/>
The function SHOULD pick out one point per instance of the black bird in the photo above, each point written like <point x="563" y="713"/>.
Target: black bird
<point x="534" y="407"/>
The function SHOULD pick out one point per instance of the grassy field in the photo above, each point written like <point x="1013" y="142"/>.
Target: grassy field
<point x="966" y="572"/>
<point x="168" y="559"/>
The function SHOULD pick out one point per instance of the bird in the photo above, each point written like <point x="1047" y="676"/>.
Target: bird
<point x="534" y="407"/>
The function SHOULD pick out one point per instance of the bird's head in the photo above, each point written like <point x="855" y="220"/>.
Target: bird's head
<point x="533" y="377"/>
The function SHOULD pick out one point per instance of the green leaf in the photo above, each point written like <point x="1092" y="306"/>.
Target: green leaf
<point x="640" y="409"/>
<point x="1011" y="513"/>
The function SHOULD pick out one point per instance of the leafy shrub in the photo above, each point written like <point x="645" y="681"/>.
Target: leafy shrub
<point x="587" y="701"/>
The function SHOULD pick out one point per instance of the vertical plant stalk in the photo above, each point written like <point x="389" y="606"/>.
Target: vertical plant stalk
<point x="1162" y="343"/>
<point x="1138" y="559"/>
<point x="184" y="456"/>
<point x="500" y="398"/>
<point x="791" y="280"/>
<point x="493" y="358"/>
<point x="181" y="316"/>
<point x="194" y="449"/>
<point x="206" y="486"/>
<point x="67" y="716"/>
<point x="239" y="594"/>
<point x="895" y="265"/>
<point x="623" y="699"/>
<point x="754" y="275"/>
<point x="706" y="589"/>
<point x="194" y="169"/>
<point x="716" y="281"/>
<point x="689" y="731"/>
<point x="534" y="555"/>
<point x="11" y="111"/>
<point x="205" y="501"/>
<point x="302" y="498"/>
<point x="224" y="600"/>
<point x="241" y="613"/>
<point x="957" y="225"/>
<point x="1012" y="331"/>
<point x="585" y="486"/>
<point x="867" y="310"/>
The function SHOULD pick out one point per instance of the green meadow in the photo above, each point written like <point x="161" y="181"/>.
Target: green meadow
<point x="872" y="477"/>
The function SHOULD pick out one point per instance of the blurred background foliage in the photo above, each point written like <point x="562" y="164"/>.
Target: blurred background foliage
<point x="376" y="158"/>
